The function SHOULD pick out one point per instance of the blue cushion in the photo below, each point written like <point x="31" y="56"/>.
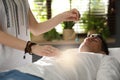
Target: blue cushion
<point x="17" y="75"/>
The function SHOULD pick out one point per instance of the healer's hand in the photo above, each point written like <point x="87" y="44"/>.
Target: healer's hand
<point x="45" y="50"/>
<point x="72" y="15"/>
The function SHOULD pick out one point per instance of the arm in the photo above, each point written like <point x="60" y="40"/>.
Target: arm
<point x="11" y="41"/>
<point x="39" y="28"/>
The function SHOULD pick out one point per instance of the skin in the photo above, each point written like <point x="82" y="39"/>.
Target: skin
<point x="39" y="28"/>
<point x="91" y="44"/>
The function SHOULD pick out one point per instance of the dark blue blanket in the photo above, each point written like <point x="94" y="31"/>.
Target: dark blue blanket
<point x="17" y="75"/>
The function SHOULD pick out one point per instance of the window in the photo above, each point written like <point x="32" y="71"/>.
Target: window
<point x="39" y="10"/>
<point x="98" y="7"/>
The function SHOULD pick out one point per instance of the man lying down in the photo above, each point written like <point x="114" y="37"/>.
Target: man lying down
<point x="89" y="62"/>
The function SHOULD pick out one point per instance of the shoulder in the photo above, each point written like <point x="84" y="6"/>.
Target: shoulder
<point x="109" y="62"/>
<point x="109" y="69"/>
<point x="110" y="59"/>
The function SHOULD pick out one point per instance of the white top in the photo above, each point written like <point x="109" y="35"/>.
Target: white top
<point x="13" y="20"/>
<point x="69" y="66"/>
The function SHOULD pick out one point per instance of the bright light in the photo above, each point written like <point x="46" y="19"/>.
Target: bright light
<point x="59" y="6"/>
<point x="31" y="3"/>
<point x="82" y="6"/>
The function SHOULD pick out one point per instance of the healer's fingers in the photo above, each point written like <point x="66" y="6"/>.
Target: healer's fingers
<point x="51" y="51"/>
<point x="76" y="12"/>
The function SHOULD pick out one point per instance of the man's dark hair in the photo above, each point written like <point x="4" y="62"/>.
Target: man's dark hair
<point x="104" y="45"/>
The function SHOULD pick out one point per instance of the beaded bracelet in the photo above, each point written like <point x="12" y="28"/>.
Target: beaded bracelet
<point x="28" y="48"/>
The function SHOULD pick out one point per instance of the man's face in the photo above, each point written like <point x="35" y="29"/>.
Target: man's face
<point x="91" y="43"/>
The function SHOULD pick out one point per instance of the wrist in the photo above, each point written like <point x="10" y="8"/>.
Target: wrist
<point x="59" y="18"/>
<point x="28" y="48"/>
<point x="34" y="49"/>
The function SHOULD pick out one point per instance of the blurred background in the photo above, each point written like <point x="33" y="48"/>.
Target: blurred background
<point x="97" y="16"/>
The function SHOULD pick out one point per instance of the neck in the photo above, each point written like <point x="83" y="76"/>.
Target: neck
<point x="84" y="49"/>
